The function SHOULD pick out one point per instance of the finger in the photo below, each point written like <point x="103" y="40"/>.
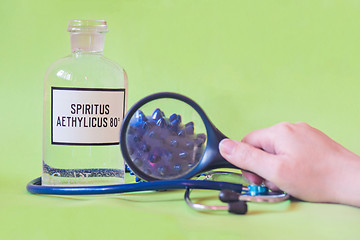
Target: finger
<point x="257" y="180"/>
<point x="262" y="139"/>
<point x="249" y="158"/>
<point x="271" y="186"/>
<point x="253" y="178"/>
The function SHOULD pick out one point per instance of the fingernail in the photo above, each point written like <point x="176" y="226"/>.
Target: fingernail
<point x="226" y="146"/>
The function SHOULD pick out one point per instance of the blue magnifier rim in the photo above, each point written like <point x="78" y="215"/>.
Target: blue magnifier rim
<point x="211" y="158"/>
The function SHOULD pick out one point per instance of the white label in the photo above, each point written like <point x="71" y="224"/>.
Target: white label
<point x="86" y="116"/>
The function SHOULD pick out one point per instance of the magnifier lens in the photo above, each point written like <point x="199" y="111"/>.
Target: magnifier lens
<point x="165" y="139"/>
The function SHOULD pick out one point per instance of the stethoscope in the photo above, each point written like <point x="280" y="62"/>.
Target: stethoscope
<point x="166" y="151"/>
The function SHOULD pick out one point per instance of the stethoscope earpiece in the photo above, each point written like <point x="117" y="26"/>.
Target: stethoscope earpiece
<point x="228" y="196"/>
<point x="235" y="205"/>
<point x="238" y="207"/>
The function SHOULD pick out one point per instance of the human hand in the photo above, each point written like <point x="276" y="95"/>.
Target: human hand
<point x="299" y="160"/>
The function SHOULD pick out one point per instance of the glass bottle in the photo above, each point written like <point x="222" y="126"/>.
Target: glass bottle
<point x="85" y="96"/>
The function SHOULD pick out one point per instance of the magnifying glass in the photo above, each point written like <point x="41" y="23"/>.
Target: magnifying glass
<point x="167" y="136"/>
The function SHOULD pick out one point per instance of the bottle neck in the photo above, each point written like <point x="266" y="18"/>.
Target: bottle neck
<point x="87" y="42"/>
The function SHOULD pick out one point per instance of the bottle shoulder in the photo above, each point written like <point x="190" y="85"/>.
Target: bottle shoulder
<point x="59" y="63"/>
<point x="84" y="63"/>
<point x="87" y="69"/>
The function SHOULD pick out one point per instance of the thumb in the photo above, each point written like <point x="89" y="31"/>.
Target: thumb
<point x="248" y="157"/>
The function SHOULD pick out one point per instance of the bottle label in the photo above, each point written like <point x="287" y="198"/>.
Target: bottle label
<point x="86" y="116"/>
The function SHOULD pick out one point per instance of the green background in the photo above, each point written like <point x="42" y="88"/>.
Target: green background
<point x="249" y="64"/>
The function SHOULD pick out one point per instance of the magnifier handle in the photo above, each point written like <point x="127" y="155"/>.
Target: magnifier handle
<point x="215" y="137"/>
<point x="212" y="152"/>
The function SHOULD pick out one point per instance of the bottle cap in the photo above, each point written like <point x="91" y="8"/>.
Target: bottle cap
<point x="99" y="26"/>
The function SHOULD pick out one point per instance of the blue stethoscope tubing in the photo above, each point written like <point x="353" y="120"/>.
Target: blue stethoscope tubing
<point x="35" y="187"/>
